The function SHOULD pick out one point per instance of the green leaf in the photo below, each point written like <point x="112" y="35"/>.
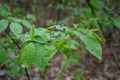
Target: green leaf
<point x="43" y="33"/>
<point x="65" y="64"/>
<point x="74" y="61"/>
<point x="13" y="19"/>
<point x="77" y="33"/>
<point x="43" y="55"/>
<point x="27" y="54"/>
<point x="26" y="23"/>
<point x="117" y="22"/>
<point x="3" y="55"/>
<point x="47" y="37"/>
<point x="66" y="52"/>
<point x="4" y="10"/>
<point x="40" y="31"/>
<point x="3" y="25"/>
<point x="31" y="17"/>
<point x="32" y="33"/>
<point x="98" y="37"/>
<point x="57" y="27"/>
<point x="16" y="28"/>
<point x="23" y="37"/>
<point x="14" y="68"/>
<point x="80" y="75"/>
<point x="61" y="43"/>
<point x="39" y="39"/>
<point x="97" y="4"/>
<point x="71" y="44"/>
<point x="21" y="21"/>
<point x="92" y="45"/>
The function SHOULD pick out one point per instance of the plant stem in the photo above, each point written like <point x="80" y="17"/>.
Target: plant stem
<point x="26" y="72"/>
<point x="94" y="14"/>
<point x="103" y="33"/>
<point x="59" y="12"/>
<point x="19" y="47"/>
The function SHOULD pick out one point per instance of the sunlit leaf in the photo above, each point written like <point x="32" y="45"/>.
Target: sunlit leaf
<point x="26" y="23"/>
<point x="27" y="54"/>
<point x="16" y="28"/>
<point x="99" y="38"/>
<point x="32" y="33"/>
<point x="43" y="55"/>
<point x="21" y="21"/>
<point x="92" y="45"/>
<point x="39" y="39"/>
<point x="61" y="43"/>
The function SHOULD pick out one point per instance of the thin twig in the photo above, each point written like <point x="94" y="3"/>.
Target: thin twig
<point x="26" y="71"/>
<point x="59" y="12"/>
<point x="19" y="47"/>
<point x="103" y="33"/>
<point x="94" y="14"/>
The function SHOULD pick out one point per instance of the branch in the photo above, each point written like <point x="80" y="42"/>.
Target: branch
<point x="103" y="33"/>
<point x="59" y="12"/>
<point x="26" y="71"/>
<point x="19" y="47"/>
<point x="94" y="14"/>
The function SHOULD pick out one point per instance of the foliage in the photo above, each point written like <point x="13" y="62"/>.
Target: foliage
<point x="79" y="75"/>
<point x="39" y="45"/>
<point x="42" y="44"/>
